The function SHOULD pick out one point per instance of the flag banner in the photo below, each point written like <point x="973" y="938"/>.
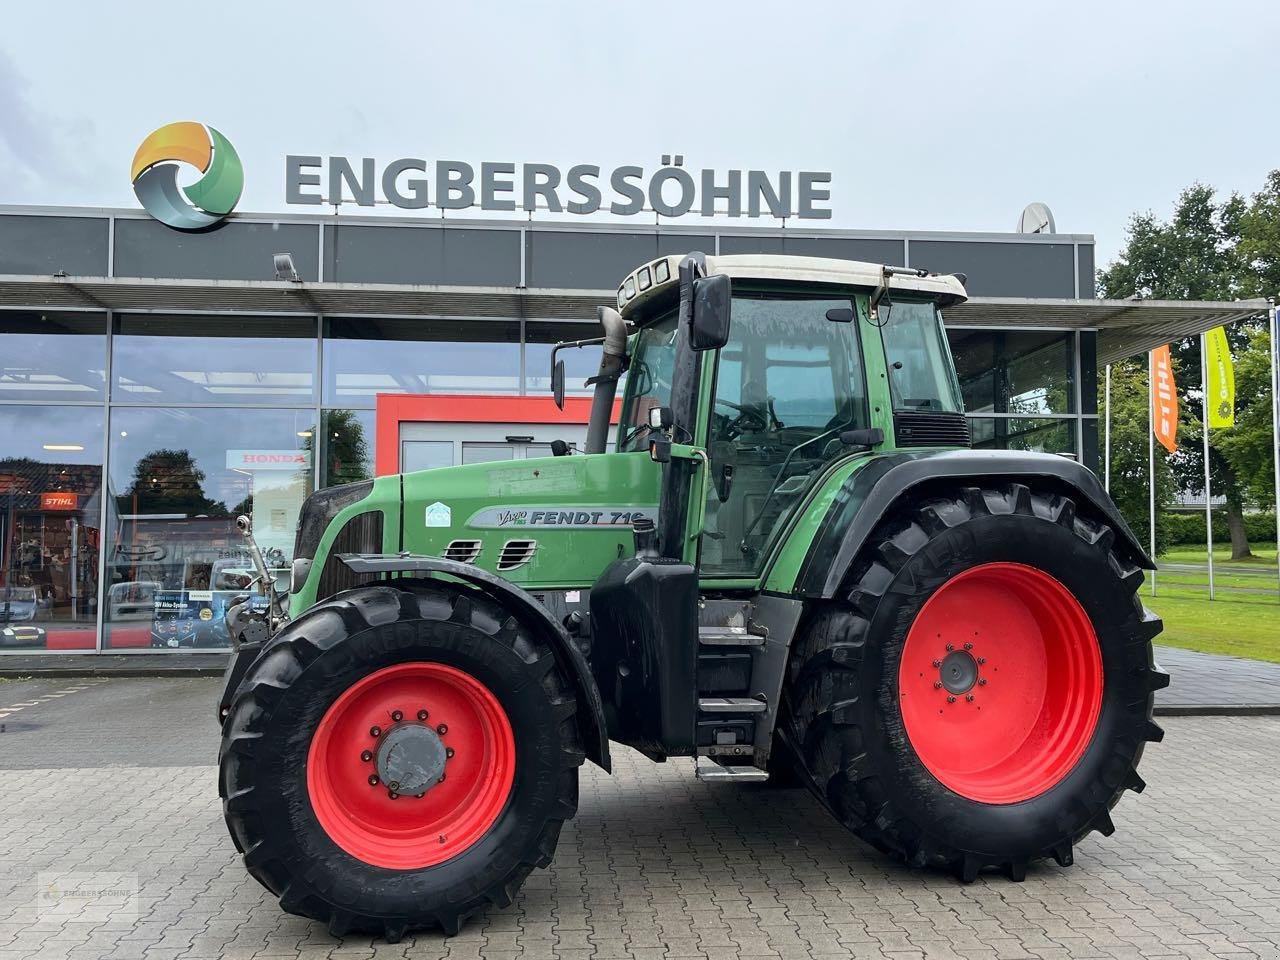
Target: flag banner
<point x="1220" y="400"/>
<point x="1164" y="419"/>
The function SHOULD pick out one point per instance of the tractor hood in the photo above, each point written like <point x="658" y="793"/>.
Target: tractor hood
<point x="552" y="522"/>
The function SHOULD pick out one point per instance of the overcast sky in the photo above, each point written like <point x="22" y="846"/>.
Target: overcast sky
<point x="929" y="115"/>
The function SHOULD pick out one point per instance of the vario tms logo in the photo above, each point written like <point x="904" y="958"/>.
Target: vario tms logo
<point x="200" y="204"/>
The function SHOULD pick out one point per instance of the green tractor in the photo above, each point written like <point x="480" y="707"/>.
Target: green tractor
<point x="790" y="564"/>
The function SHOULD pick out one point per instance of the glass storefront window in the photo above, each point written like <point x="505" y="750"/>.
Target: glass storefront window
<point x="50" y="511"/>
<point x="178" y="479"/>
<point x="347" y="442"/>
<point x="579" y="363"/>
<point x="365" y="356"/>
<point x="1014" y="371"/>
<point x="264" y="361"/>
<point x="1027" y="434"/>
<point x="50" y="357"/>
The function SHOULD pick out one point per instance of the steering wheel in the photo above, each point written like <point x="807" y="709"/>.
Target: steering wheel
<point x="747" y="418"/>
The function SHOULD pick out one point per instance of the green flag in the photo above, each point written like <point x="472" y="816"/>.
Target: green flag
<point x="1221" y="397"/>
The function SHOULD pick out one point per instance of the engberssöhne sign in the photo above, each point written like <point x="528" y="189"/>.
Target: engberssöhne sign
<point x="670" y="190"/>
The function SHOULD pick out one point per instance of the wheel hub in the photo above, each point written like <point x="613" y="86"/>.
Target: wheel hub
<point x="959" y="672"/>
<point x="410" y="758"/>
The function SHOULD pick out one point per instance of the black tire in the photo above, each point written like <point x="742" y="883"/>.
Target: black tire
<point x="841" y="705"/>
<point x="286" y="692"/>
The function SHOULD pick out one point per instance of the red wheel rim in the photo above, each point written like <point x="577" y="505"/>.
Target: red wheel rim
<point x="1000" y="683"/>
<point x="371" y="821"/>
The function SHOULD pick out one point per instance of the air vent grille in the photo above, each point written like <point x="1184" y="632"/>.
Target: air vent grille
<point x="516" y="553"/>
<point x="914" y="429"/>
<point x="360" y="534"/>
<point x="464" y="551"/>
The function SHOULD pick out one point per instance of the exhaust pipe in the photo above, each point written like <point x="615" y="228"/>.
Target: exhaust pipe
<point x="613" y="363"/>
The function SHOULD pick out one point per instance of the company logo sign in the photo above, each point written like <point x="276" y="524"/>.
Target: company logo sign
<point x="161" y="157"/>
<point x="59" y="500"/>
<point x="268" y="459"/>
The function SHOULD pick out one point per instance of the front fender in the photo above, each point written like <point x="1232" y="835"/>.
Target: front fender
<point x="870" y="493"/>
<point x="591" y="723"/>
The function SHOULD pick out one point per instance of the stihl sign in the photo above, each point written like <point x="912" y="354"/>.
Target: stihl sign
<point x="59" y="500"/>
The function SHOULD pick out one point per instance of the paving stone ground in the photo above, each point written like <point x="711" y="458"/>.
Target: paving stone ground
<point x="656" y="864"/>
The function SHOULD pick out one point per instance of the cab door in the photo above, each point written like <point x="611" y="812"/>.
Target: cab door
<point x="789" y="380"/>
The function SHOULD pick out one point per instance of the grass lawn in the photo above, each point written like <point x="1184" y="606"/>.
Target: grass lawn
<point x="1239" y="626"/>
<point x="1264" y="555"/>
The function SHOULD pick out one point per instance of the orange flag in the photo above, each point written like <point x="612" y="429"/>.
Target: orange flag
<point x="1164" y="420"/>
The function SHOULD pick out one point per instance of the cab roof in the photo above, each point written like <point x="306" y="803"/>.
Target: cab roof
<point x="658" y="279"/>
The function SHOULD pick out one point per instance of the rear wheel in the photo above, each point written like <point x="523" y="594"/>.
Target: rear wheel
<point x="400" y="757"/>
<point x="982" y="694"/>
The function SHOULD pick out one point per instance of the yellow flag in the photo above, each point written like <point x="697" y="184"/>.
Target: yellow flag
<point x="1221" y="398"/>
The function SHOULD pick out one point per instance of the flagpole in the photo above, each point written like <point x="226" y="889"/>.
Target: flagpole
<point x="1208" y="494"/>
<point x="1274" y="337"/>
<point x="1151" y="457"/>
<point x="1106" y="447"/>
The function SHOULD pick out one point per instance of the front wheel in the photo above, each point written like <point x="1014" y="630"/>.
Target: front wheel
<point x="982" y="694"/>
<point x="400" y="757"/>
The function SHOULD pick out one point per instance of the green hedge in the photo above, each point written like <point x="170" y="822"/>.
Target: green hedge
<point x="1188" y="528"/>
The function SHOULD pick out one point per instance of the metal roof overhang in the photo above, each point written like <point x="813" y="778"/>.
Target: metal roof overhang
<point x="1125" y="327"/>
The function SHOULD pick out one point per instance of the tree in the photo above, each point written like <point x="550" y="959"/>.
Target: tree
<point x="1129" y="484"/>
<point x="1202" y="254"/>
<point x="169" y="481"/>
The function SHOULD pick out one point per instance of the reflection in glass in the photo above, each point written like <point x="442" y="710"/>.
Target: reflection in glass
<point x="580" y="363"/>
<point x="178" y="478"/>
<point x="365" y="356"/>
<point x="50" y="483"/>
<point x="1018" y="433"/>
<point x="52" y="356"/>
<point x="250" y="360"/>
<point x="347" y="441"/>
<point x="1008" y="371"/>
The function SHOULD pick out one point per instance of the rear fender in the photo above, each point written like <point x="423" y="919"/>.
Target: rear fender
<point x="870" y="493"/>
<point x="591" y="723"/>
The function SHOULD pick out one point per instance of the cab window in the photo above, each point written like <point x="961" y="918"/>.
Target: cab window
<point x="788" y="382"/>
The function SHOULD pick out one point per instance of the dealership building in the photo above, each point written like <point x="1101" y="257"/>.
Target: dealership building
<point x="155" y="382"/>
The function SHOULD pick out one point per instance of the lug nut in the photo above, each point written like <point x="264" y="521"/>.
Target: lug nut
<point x="441" y="780"/>
<point x="950" y="647"/>
<point x="982" y="682"/>
<point x="448" y="753"/>
<point x="418" y="796"/>
<point x="951" y="699"/>
<point x="373" y="780"/>
<point x="394" y="784"/>
<point x="969" y="698"/>
<point x="937" y="684"/>
<point x="422" y="714"/>
<point x="366" y="756"/>
<point x="393" y="795"/>
<point x="968" y="646"/>
<point x="397" y="716"/>
<point x="982" y="660"/>
<point x="937" y="663"/>
<point x="442" y="729"/>
<point x="375" y="731"/>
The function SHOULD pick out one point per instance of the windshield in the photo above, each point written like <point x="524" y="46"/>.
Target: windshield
<point x="921" y="376"/>
<point x="653" y="358"/>
<point x="18" y="594"/>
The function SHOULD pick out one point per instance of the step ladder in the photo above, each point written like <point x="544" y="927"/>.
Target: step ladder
<point x="713" y="772"/>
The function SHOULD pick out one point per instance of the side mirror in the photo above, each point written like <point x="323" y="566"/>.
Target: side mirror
<point x="710" y="327"/>
<point x="557" y="382"/>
